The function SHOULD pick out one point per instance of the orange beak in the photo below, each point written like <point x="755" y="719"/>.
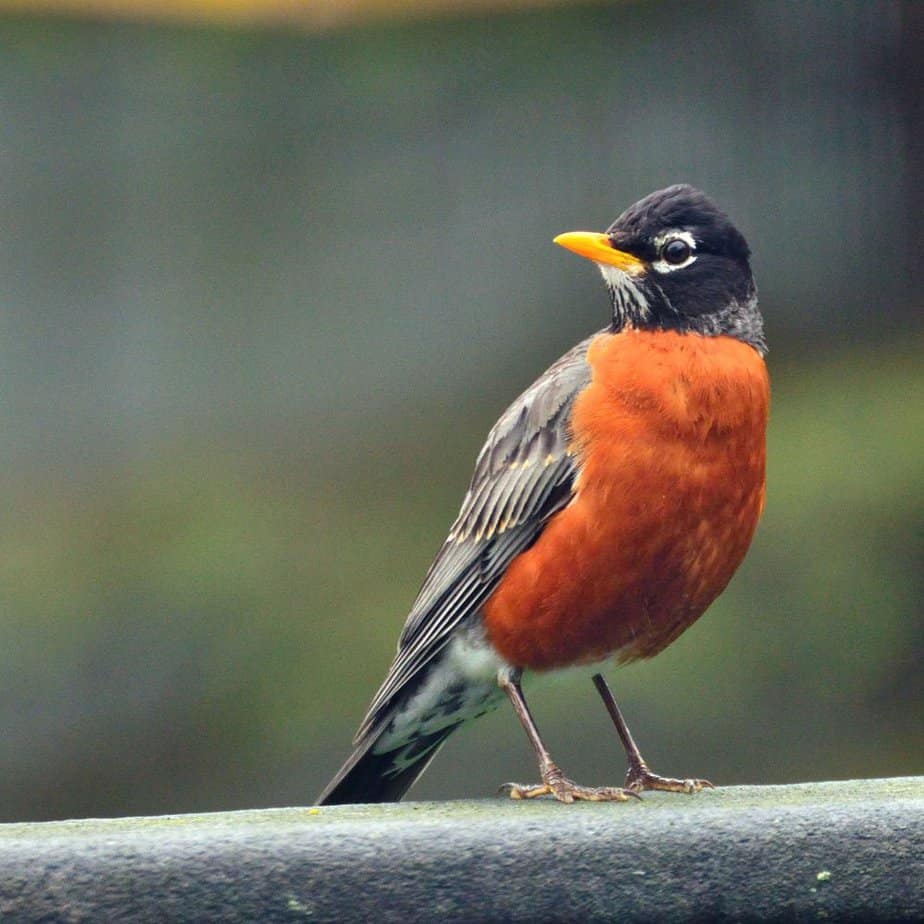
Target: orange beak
<point x="597" y="247"/>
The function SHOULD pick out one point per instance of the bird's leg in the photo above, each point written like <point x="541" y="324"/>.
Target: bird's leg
<point x="554" y="782"/>
<point x="638" y="776"/>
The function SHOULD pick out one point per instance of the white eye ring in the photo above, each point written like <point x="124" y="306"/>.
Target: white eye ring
<point x="662" y="240"/>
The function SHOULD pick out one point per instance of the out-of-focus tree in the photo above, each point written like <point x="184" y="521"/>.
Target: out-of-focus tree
<point x="304" y="14"/>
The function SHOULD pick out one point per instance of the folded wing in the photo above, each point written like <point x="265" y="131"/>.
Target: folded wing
<point x="524" y="474"/>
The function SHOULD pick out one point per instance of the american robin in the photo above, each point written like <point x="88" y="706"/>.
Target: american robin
<point x="610" y="505"/>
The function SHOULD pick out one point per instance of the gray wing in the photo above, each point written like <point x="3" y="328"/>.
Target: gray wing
<point x="523" y="475"/>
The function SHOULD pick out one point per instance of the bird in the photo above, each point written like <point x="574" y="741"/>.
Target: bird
<point x="610" y="505"/>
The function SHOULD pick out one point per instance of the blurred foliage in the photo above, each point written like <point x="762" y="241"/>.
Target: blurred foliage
<point x="263" y="296"/>
<point x="310" y="14"/>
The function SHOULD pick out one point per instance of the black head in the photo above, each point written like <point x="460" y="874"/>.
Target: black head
<point x="675" y="261"/>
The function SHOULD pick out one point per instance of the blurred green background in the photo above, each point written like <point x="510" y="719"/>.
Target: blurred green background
<point x="264" y="290"/>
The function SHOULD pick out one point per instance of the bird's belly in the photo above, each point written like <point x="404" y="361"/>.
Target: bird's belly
<point x="669" y="492"/>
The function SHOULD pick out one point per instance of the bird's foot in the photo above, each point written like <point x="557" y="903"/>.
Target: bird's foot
<point x="556" y="784"/>
<point x="640" y="778"/>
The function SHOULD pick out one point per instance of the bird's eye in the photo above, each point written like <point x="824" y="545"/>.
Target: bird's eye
<point x="676" y="251"/>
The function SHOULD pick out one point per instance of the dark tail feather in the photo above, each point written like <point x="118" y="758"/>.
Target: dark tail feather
<point x="368" y="777"/>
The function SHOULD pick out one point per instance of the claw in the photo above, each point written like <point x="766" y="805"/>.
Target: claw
<point x="640" y="779"/>
<point x="567" y="791"/>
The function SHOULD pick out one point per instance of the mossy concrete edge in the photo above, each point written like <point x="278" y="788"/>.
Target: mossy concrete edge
<point x="850" y="850"/>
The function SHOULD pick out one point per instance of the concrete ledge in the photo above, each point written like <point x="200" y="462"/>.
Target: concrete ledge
<point x="841" y="851"/>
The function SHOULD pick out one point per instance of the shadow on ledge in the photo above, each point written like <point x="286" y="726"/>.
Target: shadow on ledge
<point x="837" y="851"/>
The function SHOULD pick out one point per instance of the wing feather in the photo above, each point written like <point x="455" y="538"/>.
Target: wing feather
<point x="523" y="475"/>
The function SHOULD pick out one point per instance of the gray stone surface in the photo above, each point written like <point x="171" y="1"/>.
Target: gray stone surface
<point x="837" y="851"/>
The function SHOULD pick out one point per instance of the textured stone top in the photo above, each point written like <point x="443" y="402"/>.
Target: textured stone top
<point x="842" y="850"/>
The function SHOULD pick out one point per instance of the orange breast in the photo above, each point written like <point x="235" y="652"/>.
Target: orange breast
<point x="669" y="436"/>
